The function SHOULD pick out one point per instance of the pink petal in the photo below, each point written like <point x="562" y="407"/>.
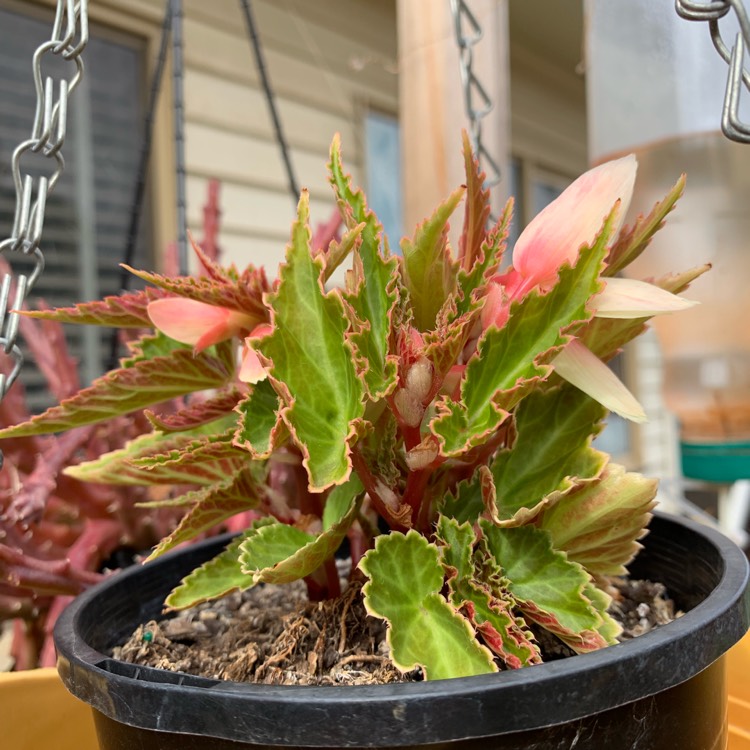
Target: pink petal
<point x="556" y="234"/>
<point x="192" y="322"/>
<point x="586" y="371"/>
<point x="496" y="307"/>
<point x="261" y="330"/>
<point x="629" y="298"/>
<point x="452" y="382"/>
<point x="186" y="320"/>
<point x="251" y="369"/>
<point x="511" y="281"/>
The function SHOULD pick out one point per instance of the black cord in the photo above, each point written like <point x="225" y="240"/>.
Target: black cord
<point x="260" y="62"/>
<point x="148" y="132"/>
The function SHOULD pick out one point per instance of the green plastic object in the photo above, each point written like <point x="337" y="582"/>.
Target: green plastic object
<point x="716" y="462"/>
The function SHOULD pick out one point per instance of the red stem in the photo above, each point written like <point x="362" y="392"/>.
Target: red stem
<point x="416" y="484"/>
<point x="412" y="435"/>
<point x="332" y="578"/>
<point x="370" y="483"/>
<point x="359" y="542"/>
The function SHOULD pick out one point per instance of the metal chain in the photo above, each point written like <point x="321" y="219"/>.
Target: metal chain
<point x="69" y="36"/>
<point x="477" y="101"/>
<point x="178" y="105"/>
<point x="712" y="11"/>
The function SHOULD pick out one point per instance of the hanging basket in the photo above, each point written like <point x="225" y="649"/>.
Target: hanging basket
<point x="664" y="689"/>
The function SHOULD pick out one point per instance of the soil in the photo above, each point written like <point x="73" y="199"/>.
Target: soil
<point x="274" y="635"/>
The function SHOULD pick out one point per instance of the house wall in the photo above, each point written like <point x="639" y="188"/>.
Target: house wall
<point x="328" y="62"/>
<point x="547" y="113"/>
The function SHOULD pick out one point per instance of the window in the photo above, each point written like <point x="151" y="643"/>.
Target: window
<point x="383" y="165"/>
<point x="88" y="213"/>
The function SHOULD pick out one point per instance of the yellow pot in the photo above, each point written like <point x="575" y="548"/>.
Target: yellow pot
<point x="738" y="687"/>
<point x="37" y="712"/>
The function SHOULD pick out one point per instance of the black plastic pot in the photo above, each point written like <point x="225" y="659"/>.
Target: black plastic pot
<point x="663" y="690"/>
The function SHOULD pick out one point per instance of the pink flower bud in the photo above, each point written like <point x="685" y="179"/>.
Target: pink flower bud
<point x="419" y="379"/>
<point x="409" y="408"/>
<point x="421" y="456"/>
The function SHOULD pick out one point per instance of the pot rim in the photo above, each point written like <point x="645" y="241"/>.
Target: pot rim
<point x="431" y="711"/>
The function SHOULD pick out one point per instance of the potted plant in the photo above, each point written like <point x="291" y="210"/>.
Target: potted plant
<point x="438" y="413"/>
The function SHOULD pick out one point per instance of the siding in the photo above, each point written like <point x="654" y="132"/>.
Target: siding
<point x="547" y="113"/>
<point x="327" y="61"/>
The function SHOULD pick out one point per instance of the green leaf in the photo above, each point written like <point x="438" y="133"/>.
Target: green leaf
<point x="511" y="360"/>
<point x="444" y="345"/>
<point x="337" y="252"/>
<point x="123" y="311"/>
<point x="424" y="629"/>
<point x="599" y="524"/>
<point x="139" y="383"/>
<point x="633" y="241"/>
<point x="280" y="553"/>
<point x="153" y="345"/>
<point x="222" y="288"/>
<point x="122" y="467"/>
<point x="610" y="629"/>
<point x="472" y="283"/>
<point x="219" y="576"/>
<point x="211" y="506"/>
<point x="550" y="589"/>
<point x="260" y="428"/>
<point x="312" y="364"/>
<point x="374" y="290"/>
<point x="273" y="544"/>
<point x="466" y="502"/>
<point x="551" y="454"/>
<point x="197" y="413"/>
<point x="210" y="448"/>
<point x="680" y="281"/>
<point x="339" y="501"/>
<point x="380" y="447"/>
<point x="477" y="211"/>
<point x="428" y="272"/>
<point x="492" y="616"/>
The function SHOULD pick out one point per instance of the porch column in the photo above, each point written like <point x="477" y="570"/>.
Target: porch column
<point x="431" y="106"/>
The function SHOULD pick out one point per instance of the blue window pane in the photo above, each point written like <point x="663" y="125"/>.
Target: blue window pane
<point x="383" y="163"/>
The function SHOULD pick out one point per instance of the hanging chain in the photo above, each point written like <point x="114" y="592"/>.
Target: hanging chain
<point x="69" y="37"/>
<point x="712" y="11"/>
<point x="477" y="102"/>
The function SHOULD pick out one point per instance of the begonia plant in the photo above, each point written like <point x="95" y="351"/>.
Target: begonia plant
<point x="438" y="411"/>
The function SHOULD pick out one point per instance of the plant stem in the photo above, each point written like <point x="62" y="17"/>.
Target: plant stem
<point x="416" y="484"/>
<point x="412" y="435"/>
<point x="360" y="540"/>
<point x="332" y="578"/>
<point x="371" y="485"/>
